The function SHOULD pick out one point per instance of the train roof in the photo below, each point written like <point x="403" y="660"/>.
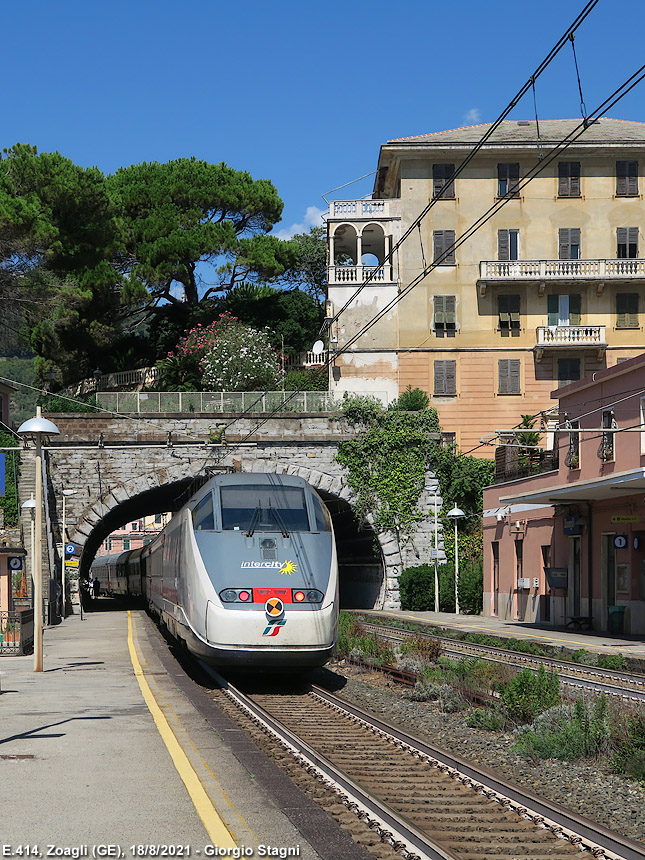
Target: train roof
<point x="111" y="558"/>
<point x="236" y="478"/>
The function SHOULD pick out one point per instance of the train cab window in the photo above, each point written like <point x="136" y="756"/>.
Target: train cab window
<point x="264" y="508"/>
<point x="203" y="518"/>
<point x="323" y="520"/>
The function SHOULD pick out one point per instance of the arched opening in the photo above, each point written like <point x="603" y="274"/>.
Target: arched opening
<point x="345" y="246"/>
<point x="372" y="245"/>
<point x="360" y="563"/>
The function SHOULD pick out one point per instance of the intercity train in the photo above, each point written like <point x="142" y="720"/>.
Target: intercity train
<point x="245" y="574"/>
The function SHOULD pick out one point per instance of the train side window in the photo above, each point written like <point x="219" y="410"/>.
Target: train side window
<point x="203" y="518"/>
<point x="323" y="520"/>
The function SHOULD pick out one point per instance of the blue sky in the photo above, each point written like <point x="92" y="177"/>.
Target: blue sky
<point x="300" y="93"/>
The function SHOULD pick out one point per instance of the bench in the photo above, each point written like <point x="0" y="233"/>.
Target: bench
<point x="580" y="622"/>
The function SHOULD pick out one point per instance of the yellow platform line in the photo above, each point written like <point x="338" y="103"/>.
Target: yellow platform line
<point x="215" y="827"/>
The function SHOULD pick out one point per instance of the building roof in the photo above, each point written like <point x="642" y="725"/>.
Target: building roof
<point x="604" y="130"/>
<point x="627" y="366"/>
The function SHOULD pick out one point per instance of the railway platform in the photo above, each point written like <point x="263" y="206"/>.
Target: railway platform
<point x="558" y="637"/>
<point x="112" y="751"/>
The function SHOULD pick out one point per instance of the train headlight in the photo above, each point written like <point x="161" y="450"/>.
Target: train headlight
<point x="310" y="596"/>
<point x="236" y="595"/>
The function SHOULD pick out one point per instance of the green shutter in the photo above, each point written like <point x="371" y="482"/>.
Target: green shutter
<point x="627" y="310"/>
<point x="553" y="309"/>
<point x="574" y="309"/>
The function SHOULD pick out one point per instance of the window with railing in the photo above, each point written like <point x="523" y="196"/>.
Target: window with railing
<point x="606" y="451"/>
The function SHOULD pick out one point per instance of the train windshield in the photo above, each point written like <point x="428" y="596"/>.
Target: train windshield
<point x="264" y="508"/>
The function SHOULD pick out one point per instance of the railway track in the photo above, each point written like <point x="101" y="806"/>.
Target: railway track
<point x="425" y="802"/>
<point x="625" y="685"/>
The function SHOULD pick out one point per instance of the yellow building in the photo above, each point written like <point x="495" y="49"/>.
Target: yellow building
<point x="546" y="291"/>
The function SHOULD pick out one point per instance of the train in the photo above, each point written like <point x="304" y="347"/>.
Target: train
<point x="245" y="575"/>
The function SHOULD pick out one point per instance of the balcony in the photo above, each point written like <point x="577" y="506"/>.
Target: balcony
<point x="351" y="210"/>
<point x="354" y="275"/>
<point x="570" y="337"/>
<point x="562" y="271"/>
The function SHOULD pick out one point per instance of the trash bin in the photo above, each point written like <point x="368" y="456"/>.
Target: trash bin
<point x="616" y="619"/>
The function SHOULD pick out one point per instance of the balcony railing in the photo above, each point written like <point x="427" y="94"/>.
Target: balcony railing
<point x="351" y="209"/>
<point x="553" y="270"/>
<point x="358" y="274"/>
<point x="571" y="335"/>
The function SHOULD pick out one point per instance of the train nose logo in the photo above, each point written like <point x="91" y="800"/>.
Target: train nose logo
<point x="274" y="607"/>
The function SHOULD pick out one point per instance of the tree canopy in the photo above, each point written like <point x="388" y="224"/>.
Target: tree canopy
<point x="178" y="216"/>
<point x="105" y="270"/>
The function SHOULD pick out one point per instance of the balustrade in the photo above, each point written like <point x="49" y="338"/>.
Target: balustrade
<point x="565" y="269"/>
<point x="358" y="274"/>
<point x="571" y="335"/>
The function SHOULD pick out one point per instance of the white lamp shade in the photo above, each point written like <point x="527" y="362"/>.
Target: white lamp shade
<point x="456" y="514"/>
<point x="39" y="425"/>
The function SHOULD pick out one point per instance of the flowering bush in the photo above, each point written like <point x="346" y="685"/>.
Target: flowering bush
<point x="237" y="357"/>
<point x="225" y="356"/>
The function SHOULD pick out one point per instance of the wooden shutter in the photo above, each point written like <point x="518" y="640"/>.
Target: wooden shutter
<point x="632" y="242"/>
<point x="627" y="310"/>
<point x="508" y="308"/>
<point x="567" y="237"/>
<point x="553" y="309"/>
<point x="444" y="239"/>
<point x="626" y="178"/>
<point x="503" y="245"/>
<point x="441" y="179"/>
<point x="509" y="376"/>
<point x="627" y="243"/>
<point x="575" y="305"/>
<point x="569" y="179"/>
<point x="445" y="377"/>
<point x="514" y="179"/>
<point x="444" y="312"/>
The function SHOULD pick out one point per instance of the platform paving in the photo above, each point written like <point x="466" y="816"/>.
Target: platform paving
<point x="83" y="764"/>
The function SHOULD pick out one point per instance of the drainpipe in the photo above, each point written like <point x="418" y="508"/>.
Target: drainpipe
<point x="590" y="558"/>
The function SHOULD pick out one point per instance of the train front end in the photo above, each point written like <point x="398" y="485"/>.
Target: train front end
<point x="269" y="573"/>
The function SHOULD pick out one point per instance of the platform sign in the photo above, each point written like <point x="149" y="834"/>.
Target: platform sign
<point x="71" y="563"/>
<point x="14" y="562"/>
<point x="70" y="549"/>
<point x="2" y="472"/>
<point x="620" y="541"/>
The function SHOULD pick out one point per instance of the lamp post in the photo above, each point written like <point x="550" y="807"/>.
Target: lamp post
<point x="455" y="515"/>
<point x="436" y="548"/>
<point x="66" y="493"/>
<point x="36" y="428"/>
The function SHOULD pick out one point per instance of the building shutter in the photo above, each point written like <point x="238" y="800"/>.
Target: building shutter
<point x="445" y="377"/>
<point x="503" y="245"/>
<point x="509" y="376"/>
<point x="632" y="242"/>
<point x="442" y="240"/>
<point x="441" y="179"/>
<point x="627" y="310"/>
<point x="626" y="178"/>
<point x="444" y="312"/>
<point x="569" y="243"/>
<point x="508" y="308"/>
<point x="574" y="309"/>
<point x="569" y="179"/>
<point x="553" y="309"/>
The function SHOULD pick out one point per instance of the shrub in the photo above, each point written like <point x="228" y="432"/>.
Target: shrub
<point x="411" y="663"/>
<point x="354" y="642"/>
<point x="566" y="732"/>
<point x="421" y="646"/>
<point x="527" y="695"/>
<point x="484" y="718"/>
<point x="612" y="661"/>
<point x="450" y="700"/>
<point x="361" y="409"/>
<point x="424" y="691"/>
<point x="316" y="379"/>
<point x="411" y="400"/>
<point x="416" y="587"/>
<point x="628" y="740"/>
<point x="524" y="647"/>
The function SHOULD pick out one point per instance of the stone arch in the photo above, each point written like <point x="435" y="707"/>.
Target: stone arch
<point x="373" y="242"/>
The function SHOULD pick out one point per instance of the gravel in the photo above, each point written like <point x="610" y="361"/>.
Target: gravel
<point x="609" y="799"/>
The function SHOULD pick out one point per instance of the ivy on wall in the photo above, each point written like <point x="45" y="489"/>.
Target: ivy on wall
<point x="9" y="502"/>
<point x="386" y="468"/>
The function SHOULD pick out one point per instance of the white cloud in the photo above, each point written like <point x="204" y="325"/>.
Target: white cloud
<point x="473" y="115"/>
<point x="313" y="218"/>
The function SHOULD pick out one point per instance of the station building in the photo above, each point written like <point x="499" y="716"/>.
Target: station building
<point x="547" y="291"/>
<point x="568" y="541"/>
